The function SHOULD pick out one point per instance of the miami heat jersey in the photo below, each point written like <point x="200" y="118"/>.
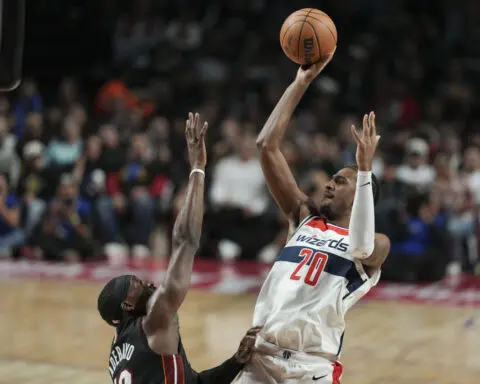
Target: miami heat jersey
<point x="133" y="362"/>
<point x="311" y="286"/>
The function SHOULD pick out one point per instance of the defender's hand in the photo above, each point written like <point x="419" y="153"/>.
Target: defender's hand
<point x="307" y="74"/>
<point x="195" y="134"/>
<point x="247" y="346"/>
<point x="366" y="143"/>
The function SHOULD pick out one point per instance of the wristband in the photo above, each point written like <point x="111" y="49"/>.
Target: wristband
<point x="197" y="170"/>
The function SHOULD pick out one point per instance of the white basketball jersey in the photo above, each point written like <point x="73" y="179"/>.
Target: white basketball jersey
<point x="312" y="284"/>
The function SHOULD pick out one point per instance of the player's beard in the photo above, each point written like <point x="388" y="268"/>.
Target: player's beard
<point x="327" y="211"/>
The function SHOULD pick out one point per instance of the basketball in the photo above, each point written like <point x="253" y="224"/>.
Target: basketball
<point x="307" y="36"/>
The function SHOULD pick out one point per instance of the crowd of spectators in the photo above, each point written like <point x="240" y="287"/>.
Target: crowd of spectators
<point x="93" y="163"/>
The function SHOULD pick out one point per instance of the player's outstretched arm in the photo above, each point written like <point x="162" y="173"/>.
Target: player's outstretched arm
<point x="187" y="229"/>
<point x="229" y="369"/>
<point x="370" y="247"/>
<point x="280" y="180"/>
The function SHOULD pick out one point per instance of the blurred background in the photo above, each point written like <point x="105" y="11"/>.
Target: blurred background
<point x="93" y="159"/>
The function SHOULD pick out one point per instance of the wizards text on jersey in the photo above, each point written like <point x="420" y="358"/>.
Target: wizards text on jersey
<point x="330" y="243"/>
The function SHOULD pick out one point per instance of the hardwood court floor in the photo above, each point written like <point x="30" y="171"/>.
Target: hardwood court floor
<point x="51" y="333"/>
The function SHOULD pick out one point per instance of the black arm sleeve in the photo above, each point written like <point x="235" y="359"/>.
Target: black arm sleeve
<point x="223" y="374"/>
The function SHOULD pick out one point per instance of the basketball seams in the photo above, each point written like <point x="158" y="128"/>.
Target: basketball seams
<point x="326" y="26"/>
<point x="312" y="15"/>
<point x="286" y="30"/>
<point x="311" y="52"/>
<point x="300" y="33"/>
<point x="316" y="38"/>
<point x="314" y="10"/>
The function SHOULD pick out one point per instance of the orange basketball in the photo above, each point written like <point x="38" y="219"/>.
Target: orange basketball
<point x="307" y="36"/>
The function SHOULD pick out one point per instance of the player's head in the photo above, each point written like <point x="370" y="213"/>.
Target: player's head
<point x="123" y="296"/>
<point x="340" y="191"/>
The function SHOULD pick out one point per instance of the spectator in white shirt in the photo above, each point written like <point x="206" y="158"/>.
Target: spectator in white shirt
<point x="239" y="199"/>
<point x="471" y="165"/>
<point x="416" y="171"/>
<point x="462" y="221"/>
<point x="9" y="161"/>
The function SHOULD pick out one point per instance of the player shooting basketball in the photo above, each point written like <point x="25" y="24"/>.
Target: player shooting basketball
<point x="147" y="347"/>
<point x="332" y="258"/>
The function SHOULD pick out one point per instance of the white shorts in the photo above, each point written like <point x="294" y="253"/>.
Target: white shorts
<point x="271" y="364"/>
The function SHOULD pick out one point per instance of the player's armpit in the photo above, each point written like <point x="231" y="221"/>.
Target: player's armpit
<point x="280" y="180"/>
<point x="380" y="252"/>
<point x="304" y="210"/>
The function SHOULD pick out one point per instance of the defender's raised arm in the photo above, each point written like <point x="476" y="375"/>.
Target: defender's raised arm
<point x="167" y="299"/>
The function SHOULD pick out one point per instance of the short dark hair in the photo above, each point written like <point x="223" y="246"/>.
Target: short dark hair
<point x="376" y="187"/>
<point x="110" y="299"/>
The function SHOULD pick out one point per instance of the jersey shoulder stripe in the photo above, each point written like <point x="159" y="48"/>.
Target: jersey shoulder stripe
<point x="321" y="224"/>
<point x="173" y="372"/>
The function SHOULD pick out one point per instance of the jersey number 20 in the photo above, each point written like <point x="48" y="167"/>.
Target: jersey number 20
<point x="125" y="377"/>
<point x="316" y="263"/>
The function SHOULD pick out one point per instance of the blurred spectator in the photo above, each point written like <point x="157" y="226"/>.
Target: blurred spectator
<point x="88" y="170"/>
<point x="33" y="131"/>
<point x="416" y="170"/>
<point x="447" y="185"/>
<point x="158" y="132"/>
<point x="68" y="94"/>
<point x="115" y="98"/>
<point x="113" y="154"/>
<point x="471" y="165"/>
<point x="185" y="33"/>
<point x="37" y="184"/>
<point x="229" y="134"/>
<point x="239" y="198"/>
<point x="37" y="180"/>
<point x="420" y="247"/>
<point x="134" y="189"/>
<point x="64" y="152"/>
<point x="66" y="231"/>
<point x="9" y="161"/>
<point x="323" y="154"/>
<point x="29" y="100"/>
<point x="452" y="147"/>
<point x="462" y="222"/>
<point x="11" y="234"/>
<point x="136" y="33"/>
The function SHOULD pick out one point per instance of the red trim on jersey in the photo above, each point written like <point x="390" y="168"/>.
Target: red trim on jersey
<point x="180" y="370"/>
<point x="339" y="230"/>
<point x="164" y="371"/>
<point x="173" y="372"/>
<point x="320" y="223"/>
<point x="168" y="369"/>
<point x="337" y="372"/>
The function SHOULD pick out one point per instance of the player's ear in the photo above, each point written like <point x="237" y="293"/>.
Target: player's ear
<point x="126" y="306"/>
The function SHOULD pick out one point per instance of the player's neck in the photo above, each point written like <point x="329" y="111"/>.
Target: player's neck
<point x="343" y="222"/>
